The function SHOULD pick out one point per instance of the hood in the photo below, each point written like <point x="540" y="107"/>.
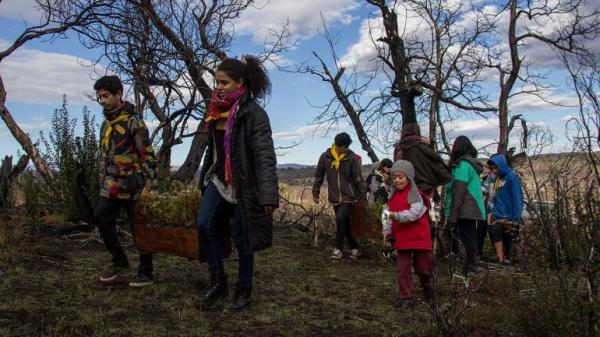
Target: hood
<point x="127" y="108"/>
<point x="473" y="161"/>
<point x="348" y="155"/>
<point x="500" y="161"/>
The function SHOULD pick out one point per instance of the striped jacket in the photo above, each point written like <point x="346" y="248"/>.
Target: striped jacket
<point x="127" y="155"/>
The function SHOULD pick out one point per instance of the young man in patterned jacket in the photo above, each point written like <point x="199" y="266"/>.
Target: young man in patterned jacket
<point x="127" y="161"/>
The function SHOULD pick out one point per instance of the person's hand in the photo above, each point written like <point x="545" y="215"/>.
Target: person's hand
<point x="269" y="209"/>
<point x="425" y="140"/>
<point x="385" y="216"/>
<point x="386" y="237"/>
<point x="316" y="200"/>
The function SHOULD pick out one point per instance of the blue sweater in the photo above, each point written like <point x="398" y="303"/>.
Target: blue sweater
<point x="508" y="199"/>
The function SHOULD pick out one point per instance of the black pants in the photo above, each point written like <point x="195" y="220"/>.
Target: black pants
<point x="482" y="229"/>
<point x="467" y="229"/>
<point x="105" y="217"/>
<point x="454" y="238"/>
<point x="343" y="217"/>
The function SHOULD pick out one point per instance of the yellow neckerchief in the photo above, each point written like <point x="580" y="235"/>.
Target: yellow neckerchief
<point x="336" y="158"/>
<point x="385" y="176"/>
<point x="109" y="127"/>
<point x="496" y="185"/>
<point x="221" y="116"/>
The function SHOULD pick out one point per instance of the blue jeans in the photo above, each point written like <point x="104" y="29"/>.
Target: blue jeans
<point x="215" y="210"/>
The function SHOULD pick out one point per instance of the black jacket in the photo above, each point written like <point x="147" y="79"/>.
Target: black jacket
<point x="253" y="169"/>
<point x="430" y="169"/>
<point x="343" y="185"/>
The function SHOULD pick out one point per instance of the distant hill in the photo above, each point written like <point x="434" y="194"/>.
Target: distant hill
<point x="292" y="166"/>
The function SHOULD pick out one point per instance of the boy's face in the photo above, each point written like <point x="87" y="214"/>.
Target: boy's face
<point x="107" y="100"/>
<point x="399" y="180"/>
<point x="341" y="149"/>
<point x="494" y="169"/>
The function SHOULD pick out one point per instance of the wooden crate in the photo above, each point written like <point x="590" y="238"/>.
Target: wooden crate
<point x="363" y="225"/>
<point x="178" y="241"/>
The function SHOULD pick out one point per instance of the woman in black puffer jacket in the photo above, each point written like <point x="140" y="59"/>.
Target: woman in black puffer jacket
<point x="238" y="178"/>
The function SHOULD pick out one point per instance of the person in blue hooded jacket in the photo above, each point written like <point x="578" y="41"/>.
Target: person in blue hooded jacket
<point x="506" y="207"/>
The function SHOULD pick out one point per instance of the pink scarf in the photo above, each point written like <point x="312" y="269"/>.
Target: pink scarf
<point x="218" y="105"/>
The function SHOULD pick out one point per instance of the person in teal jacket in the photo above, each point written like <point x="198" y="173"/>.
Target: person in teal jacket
<point x="464" y="207"/>
<point x="506" y="207"/>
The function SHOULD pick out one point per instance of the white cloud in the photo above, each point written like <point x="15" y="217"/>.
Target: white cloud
<point x="531" y="102"/>
<point x="567" y="118"/>
<point x="20" y="9"/>
<point x="303" y="17"/>
<point x="34" y="76"/>
<point x="307" y="131"/>
<point x="34" y="126"/>
<point x="538" y="53"/>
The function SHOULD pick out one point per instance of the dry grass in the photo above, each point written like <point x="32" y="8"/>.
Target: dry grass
<point x="49" y="287"/>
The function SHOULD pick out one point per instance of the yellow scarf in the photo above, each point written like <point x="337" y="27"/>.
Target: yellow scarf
<point x="222" y="115"/>
<point x="336" y="158"/>
<point x="109" y="127"/>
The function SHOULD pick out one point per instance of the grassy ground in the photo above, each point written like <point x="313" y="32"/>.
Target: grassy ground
<point x="49" y="287"/>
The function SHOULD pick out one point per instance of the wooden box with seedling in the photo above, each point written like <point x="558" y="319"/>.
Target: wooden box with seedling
<point x="165" y="222"/>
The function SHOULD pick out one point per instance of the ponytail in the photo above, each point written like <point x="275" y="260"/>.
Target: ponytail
<point x="251" y="71"/>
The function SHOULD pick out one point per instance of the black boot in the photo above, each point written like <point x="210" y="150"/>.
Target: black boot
<point x="241" y="298"/>
<point x="215" y="295"/>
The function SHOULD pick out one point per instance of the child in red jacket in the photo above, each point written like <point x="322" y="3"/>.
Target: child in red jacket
<point x="406" y="219"/>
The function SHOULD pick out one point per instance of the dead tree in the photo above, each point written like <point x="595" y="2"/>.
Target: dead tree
<point x="8" y="173"/>
<point x="449" y="71"/>
<point x="49" y="27"/>
<point x="584" y="24"/>
<point x="167" y="51"/>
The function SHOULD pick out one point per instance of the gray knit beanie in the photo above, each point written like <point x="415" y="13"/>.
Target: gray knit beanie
<point x="407" y="168"/>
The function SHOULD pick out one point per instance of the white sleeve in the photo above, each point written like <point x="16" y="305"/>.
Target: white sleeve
<point x="386" y="221"/>
<point x="414" y="213"/>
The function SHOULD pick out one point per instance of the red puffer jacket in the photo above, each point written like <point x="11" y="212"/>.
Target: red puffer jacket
<point x="409" y="235"/>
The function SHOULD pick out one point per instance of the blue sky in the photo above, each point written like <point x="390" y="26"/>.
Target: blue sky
<point x="39" y="73"/>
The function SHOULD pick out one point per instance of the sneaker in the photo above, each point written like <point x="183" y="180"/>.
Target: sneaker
<point x="141" y="280"/>
<point x="355" y="254"/>
<point x="337" y="254"/>
<point x="111" y="273"/>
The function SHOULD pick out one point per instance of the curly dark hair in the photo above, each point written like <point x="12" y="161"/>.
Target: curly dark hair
<point x="111" y="84"/>
<point x="342" y="139"/>
<point x="385" y="163"/>
<point x="251" y="72"/>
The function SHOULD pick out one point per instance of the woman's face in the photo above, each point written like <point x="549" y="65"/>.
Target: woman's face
<point x="386" y="170"/>
<point x="399" y="180"/>
<point x="225" y="84"/>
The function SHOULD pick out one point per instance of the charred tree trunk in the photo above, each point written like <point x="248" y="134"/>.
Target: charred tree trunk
<point x="192" y="161"/>
<point x="8" y="173"/>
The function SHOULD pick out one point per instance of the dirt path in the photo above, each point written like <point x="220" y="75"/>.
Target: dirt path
<point x="49" y="287"/>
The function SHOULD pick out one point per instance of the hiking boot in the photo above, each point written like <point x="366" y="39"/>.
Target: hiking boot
<point x="506" y="262"/>
<point x="337" y="254"/>
<point x="355" y="254"/>
<point x="111" y="273"/>
<point x="428" y="294"/>
<point x="141" y="280"/>
<point x="471" y="270"/>
<point x="405" y="303"/>
<point x="215" y="296"/>
<point x="241" y="298"/>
